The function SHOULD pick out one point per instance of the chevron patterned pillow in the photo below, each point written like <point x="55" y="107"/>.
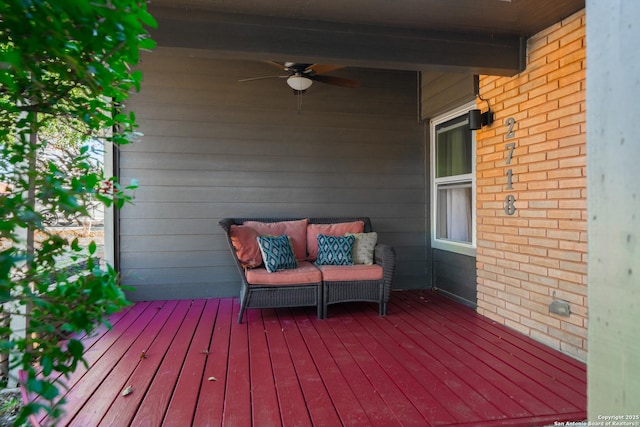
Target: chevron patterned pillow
<point x="277" y="253"/>
<point x="335" y="250"/>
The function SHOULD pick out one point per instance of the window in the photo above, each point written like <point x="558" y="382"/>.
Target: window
<point x="453" y="186"/>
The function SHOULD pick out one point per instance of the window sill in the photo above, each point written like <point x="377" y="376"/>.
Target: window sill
<point x="460" y="248"/>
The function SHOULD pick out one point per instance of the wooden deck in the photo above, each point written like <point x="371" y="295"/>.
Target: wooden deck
<point x="430" y="362"/>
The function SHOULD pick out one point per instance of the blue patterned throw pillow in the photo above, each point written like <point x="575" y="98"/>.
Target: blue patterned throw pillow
<point x="335" y="250"/>
<point x="277" y="253"/>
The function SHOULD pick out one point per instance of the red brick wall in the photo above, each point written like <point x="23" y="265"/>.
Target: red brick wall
<point x="524" y="258"/>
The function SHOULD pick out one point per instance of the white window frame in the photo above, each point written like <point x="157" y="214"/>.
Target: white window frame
<point x="449" y="245"/>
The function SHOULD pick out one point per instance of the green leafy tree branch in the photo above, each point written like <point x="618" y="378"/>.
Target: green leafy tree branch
<point x="66" y="70"/>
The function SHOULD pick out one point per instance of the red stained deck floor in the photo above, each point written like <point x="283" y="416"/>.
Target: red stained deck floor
<point x="429" y="362"/>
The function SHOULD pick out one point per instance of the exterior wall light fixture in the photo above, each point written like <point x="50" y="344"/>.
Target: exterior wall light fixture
<point x="477" y="118"/>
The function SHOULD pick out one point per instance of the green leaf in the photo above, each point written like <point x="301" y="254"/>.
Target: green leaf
<point x="74" y="70"/>
<point x="44" y="388"/>
<point x="147" y="43"/>
<point x="146" y="18"/>
<point x="76" y="348"/>
<point x="47" y="365"/>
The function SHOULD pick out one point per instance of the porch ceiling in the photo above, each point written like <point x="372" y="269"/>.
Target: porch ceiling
<point x="479" y="36"/>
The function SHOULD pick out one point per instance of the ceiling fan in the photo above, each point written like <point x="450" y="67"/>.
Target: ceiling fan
<point x="300" y="77"/>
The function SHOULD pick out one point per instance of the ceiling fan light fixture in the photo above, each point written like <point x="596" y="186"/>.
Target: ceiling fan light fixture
<point x="300" y="83"/>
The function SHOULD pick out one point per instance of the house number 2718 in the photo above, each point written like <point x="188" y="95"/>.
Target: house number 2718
<point x="510" y="199"/>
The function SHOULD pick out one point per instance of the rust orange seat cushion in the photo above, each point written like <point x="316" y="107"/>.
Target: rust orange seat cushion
<point x="304" y="273"/>
<point x="349" y="273"/>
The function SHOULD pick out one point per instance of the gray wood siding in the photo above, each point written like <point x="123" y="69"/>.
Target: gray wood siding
<point x="456" y="275"/>
<point x="453" y="273"/>
<point x="441" y="92"/>
<point x="215" y="148"/>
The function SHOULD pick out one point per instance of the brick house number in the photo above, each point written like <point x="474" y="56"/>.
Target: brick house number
<point x="510" y="199"/>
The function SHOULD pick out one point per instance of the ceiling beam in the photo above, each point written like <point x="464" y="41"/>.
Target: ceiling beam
<point x="281" y="39"/>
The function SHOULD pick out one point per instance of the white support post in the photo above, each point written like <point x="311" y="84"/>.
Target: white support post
<point x="613" y="207"/>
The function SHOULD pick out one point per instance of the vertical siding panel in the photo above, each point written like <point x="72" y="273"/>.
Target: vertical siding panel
<point x="214" y="147"/>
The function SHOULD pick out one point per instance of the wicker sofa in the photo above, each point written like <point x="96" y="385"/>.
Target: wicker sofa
<point x="308" y="284"/>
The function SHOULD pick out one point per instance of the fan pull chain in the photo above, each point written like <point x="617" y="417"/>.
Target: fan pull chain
<point x="299" y="97"/>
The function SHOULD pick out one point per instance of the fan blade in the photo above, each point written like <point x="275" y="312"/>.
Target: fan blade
<point x="336" y="81"/>
<point x="263" y="77"/>
<point x="323" y="68"/>
<point x="275" y="64"/>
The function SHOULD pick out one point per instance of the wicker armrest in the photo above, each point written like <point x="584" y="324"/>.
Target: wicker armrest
<point x="385" y="256"/>
<point x="226" y="224"/>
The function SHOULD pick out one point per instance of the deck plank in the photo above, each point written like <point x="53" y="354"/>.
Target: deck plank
<point x="526" y="363"/>
<point x="210" y="405"/>
<point x="510" y="400"/>
<point x="544" y="355"/>
<point x="344" y="399"/>
<point x="185" y="395"/>
<point x="374" y="407"/>
<point x="382" y="384"/>
<point x="103" y="337"/>
<point x="416" y="387"/>
<point x="317" y="398"/>
<point x="118" y="343"/>
<point x="264" y="399"/>
<point x="293" y="409"/>
<point x="440" y="384"/>
<point x="237" y="401"/>
<point x="153" y="407"/>
<point x="540" y="380"/>
<point x="101" y="400"/>
<point x="493" y="383"/>
<point x="98" y="334"/>
<point x="430" y="362"/>
<point x="124" y="408"/>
